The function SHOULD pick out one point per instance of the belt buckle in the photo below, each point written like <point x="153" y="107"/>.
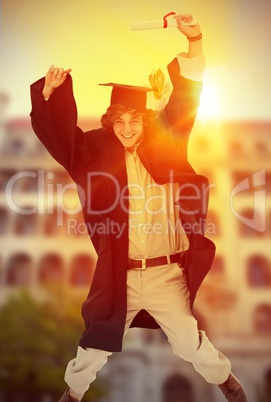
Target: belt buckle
<point x="144" y="264"/>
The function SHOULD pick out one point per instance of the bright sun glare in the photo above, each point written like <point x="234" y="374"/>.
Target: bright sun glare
<point x="210" y="105"/>
<point x="209" y="101"/>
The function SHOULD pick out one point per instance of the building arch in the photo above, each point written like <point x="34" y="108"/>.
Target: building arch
<point x="127" y="376"/>
<point x="26" y="224"/>
<point x="15" y="146"/>
<point x="149" y="336"/>
<point x="1" y="270"/>
<point x="19" y="270"/>
<point x="260" y="149"/>
<point x="81" y="270"/>
<point x="177" y="388"/>
<point x="218" y="266"/>
<point x="75" y="225"/>
<point x="262" y="319"/>
<point x="258" y="272"/>
<point x="29" y="183"/>
<point x="237" y="149"/>
<point x="5" y="176"/>
<point x="54" y="223"/>
<point x="244" y="229"/>
<point x="266" y="392"/>
<point x="51" y="269"/>
<point x="213" y="224"/>
<point x="4" y="220"/>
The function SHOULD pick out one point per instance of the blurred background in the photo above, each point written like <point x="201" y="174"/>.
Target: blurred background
<point x="46" y="259"/>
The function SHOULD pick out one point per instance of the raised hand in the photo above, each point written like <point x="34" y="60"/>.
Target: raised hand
<point x="53" y="79"/>
<point x="190" y="31"/>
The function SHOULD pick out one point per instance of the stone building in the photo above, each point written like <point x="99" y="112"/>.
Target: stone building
<point x="43" y="239"/>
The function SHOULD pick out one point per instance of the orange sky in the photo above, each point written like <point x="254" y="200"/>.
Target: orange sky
<point x="95" y="40"/>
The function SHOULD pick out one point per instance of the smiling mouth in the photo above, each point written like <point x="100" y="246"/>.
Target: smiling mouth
<point x="127" y="136"/>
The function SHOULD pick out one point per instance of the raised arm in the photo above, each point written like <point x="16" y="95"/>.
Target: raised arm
<point x="54" y="78"/>
<point x="185" y="72"/>
<point x="192" y="33"/>
<point x="54" y="120"/>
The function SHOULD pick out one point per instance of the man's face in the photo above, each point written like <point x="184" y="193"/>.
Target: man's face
<point x="129" y="129"/>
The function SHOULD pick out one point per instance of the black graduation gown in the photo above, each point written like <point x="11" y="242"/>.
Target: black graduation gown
<point x="96" y="162"/>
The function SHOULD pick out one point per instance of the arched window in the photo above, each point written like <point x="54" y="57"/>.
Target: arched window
<point x="218" y="266"/>
<point x="5" y="176"/>
<point x="19" y="270"/>
<point x="260" y="149"/>
<point x="126" y="373"/>
<point x="74" y="224"/>
<point x="19" y="138"/>
<point x="266" y="392"/>
<point x="177" y="388"/>
<point x="259" y="272"/>
<point x="4" y="220"/>
<point x="148" y="335"/>
<point x="16" y="147"/>
<point x="1" y="270"/>
<point x="51" y="269"/>
<point x="262" y="319"/>
<point x="212" y="224"/>
<point x="29" y="182"/>
<point x="237" y="150"/>
<point x="26" y="224"/>
<point x="238" y="177"/>
<point x="82" y="269"/>
<point x="55" y="223"/>
<point x="246" y="230"/>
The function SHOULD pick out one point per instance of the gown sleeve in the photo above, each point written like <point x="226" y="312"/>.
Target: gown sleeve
<point x="55" y="124"/>
<point x="178" y="116"/>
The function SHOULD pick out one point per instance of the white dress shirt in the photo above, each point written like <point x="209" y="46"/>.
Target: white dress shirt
<point x="155" y="228"/>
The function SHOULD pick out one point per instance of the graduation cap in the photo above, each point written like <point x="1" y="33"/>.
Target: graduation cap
<point x="130" y="95"/>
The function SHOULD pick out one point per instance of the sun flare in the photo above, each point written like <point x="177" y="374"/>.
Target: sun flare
<point x="209" y="101"/>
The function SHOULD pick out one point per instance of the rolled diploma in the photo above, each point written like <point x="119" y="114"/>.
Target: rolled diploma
<point x="156" y="24"/>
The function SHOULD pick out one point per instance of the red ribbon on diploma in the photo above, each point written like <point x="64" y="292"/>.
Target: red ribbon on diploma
<point x="165" y="18"/>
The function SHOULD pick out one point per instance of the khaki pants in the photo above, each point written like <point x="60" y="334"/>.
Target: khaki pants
<point x="163" y="292"/>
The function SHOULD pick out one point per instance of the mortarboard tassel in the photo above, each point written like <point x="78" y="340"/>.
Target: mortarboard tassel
<point x="157" y="80"/>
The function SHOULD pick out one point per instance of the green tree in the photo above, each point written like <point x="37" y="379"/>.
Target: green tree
<point x="37" y="339"/>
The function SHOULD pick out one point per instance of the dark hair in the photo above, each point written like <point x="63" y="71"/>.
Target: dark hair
<point x="115" y="111"/>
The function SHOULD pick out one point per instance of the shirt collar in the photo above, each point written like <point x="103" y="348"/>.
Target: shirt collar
<point x="134" y="153"/>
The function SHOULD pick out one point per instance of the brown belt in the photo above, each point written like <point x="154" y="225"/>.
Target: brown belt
<point x="152" y="262"/>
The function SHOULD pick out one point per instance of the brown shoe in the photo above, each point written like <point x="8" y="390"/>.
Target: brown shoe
<point x="233" y="390"/>
<point x="66" y="397"/>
